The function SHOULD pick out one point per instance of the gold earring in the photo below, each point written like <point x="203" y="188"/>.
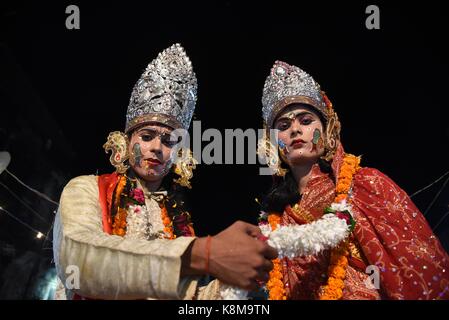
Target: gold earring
<point x="332" y="135"/>
<point x="118" y="143"/>
<point x="184" y="166"/>
<point x="266" y="150"/>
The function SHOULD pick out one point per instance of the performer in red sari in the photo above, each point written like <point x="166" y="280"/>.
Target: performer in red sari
<point x="391" y="237"/>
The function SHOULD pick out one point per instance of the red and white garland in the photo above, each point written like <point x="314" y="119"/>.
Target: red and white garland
<point x="302" y="240"/>
<point x="329" y="232"/>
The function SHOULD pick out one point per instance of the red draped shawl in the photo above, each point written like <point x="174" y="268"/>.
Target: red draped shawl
<point x="391" y="233"/>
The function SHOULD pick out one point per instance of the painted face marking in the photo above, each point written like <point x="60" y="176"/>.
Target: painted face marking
<point x="136" y="155"/>
<point x="283" y="147"/>
<point x="316" y="136"/>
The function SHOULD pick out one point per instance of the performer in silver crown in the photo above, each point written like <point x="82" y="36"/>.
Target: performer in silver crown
<point x="357" y="235"/>
<point x="128" y="235"/>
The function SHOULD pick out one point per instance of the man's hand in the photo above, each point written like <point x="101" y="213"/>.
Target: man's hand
<point x="236" y="256"/>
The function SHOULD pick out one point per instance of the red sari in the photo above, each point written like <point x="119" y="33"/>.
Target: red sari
<point x="391" y="233"/>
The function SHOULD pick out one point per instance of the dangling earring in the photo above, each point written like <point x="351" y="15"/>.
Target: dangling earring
<point x="118" y="143"/>
<point x="184" y="166"/>
<point x="266" y="150"/>
<point x="332" y="136"/>
<point x="333" y="128"/>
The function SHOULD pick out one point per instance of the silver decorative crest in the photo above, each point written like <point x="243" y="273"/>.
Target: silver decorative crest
<point x="288" y="84"/>
<point x="165" y="93"/>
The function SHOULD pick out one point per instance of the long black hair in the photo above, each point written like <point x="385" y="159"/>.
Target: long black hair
<point x="284" y="190"/>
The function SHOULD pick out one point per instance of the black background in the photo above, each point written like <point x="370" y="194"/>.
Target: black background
<point x="63" y="91"/>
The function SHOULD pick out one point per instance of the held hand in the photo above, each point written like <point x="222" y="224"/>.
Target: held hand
<point x="238" y="258"/>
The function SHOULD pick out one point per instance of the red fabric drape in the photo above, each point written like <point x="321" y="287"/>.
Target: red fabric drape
<point x="396" y="237"/>
<point x="390" y="231"/>
<point x="106" y="187"/>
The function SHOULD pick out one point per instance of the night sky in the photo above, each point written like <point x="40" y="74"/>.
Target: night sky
<point x="62" y="91"/>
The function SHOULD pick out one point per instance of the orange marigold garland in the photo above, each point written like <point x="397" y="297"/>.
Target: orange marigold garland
<point x="348" y="168"/>
<point x="168" y="225"/>
<point x="333" y="290"/>
<point x="180" y="223"/>
<point x="119" y="225"/>
<point x="127" y="193"/>
<point x="275" y="284"/>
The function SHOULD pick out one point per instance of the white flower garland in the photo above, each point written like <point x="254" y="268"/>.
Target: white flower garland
<point x="228" y="292"/>
<point x="301" y="240"/>
<point x="308" y="239"/>
<point x="342" y="206"/>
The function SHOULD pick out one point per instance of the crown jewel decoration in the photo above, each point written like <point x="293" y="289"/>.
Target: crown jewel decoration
<point x="289" y="84"/>
<point x="166" y="92"/>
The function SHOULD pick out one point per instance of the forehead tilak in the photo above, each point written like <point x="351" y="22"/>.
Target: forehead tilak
<point x="293" y="114"/>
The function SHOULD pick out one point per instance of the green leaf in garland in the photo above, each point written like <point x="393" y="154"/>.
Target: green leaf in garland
<point x="329" y="210"/>
<point x="352" y="227"/>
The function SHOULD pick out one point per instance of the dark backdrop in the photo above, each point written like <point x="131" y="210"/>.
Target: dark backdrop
<point x="62" y="91"/>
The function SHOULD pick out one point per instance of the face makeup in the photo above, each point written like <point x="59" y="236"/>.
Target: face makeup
<point x="136" y="155"/>
<point x="283" y="147"/>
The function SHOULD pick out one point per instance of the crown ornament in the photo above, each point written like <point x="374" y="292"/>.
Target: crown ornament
<point x="289" y="84"/>
<point x="286" y="85"/>
<point x="165" y="93"/>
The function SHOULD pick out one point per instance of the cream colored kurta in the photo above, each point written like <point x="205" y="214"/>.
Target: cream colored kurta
<point x="113" y="267"/>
